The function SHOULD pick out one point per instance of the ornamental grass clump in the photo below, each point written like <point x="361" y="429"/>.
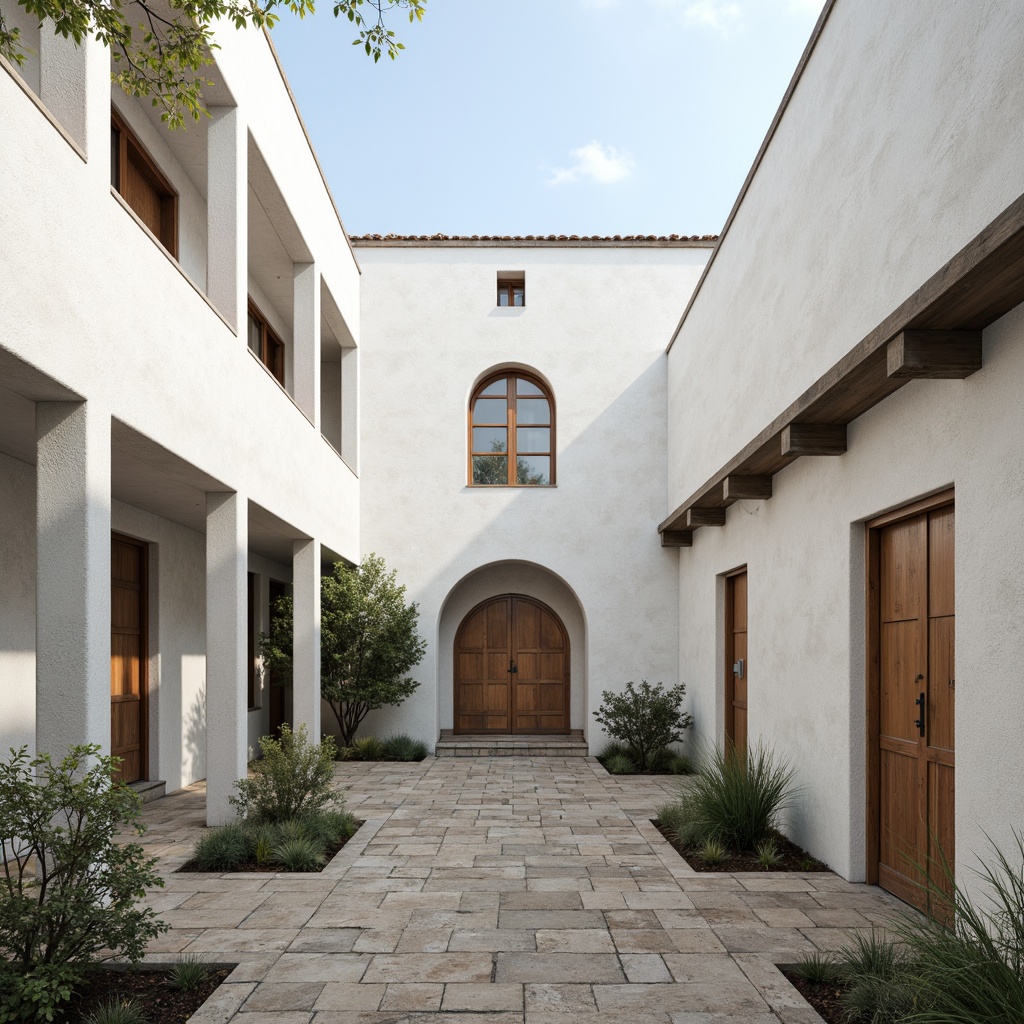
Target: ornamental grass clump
<point x="402" y="747"/>
<point x="69" y="890"/>
<point x="739" y="799"/>
<point x="645" y="719"/>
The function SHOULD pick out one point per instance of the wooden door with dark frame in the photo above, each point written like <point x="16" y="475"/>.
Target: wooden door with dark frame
<point x="736" y="661"/>
<point x="511" y="669"/>
<point x="911" y="696"/>
<point x="276" y="695"/>
<point x="129" y="631"/>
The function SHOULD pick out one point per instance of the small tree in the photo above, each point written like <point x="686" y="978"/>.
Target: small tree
<point x="646" y="720"/>
<point x="368" y="642"/>
<point x="68" y="889"/>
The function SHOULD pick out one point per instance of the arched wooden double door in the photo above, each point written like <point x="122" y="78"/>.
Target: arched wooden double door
<point x="511" y="669"/>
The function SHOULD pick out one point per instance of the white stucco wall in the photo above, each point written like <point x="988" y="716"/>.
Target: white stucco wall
<point x="804" y="550"/>
<point x="594" y="327"/>
<point x="901" y="142"/>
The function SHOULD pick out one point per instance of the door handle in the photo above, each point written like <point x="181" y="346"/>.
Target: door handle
<point x="512" y="666"/>
<point x="919" y="722"/>
<point x="737" y="668"/>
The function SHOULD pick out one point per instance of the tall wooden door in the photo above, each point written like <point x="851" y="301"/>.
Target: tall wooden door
<point x="128" y="633"/>
<point x="913" y="706"/>
<point x="736" y="661"/>
<point x="511" y="669"/>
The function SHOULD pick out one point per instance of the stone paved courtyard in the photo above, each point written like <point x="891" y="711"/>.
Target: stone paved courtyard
<point x="499" y="891"/>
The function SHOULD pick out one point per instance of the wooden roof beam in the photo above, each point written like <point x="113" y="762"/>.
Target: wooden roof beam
<point x="755" y="488"/>
<point x="814" y="439"/>
<point x="934" y="355"/>
<point x="696" y="517"/>
<point x="676" y="539"/>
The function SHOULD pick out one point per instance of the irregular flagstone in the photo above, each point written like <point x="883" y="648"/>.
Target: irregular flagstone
<point x="499" y="891"/>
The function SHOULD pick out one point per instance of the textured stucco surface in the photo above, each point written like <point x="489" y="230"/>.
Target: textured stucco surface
<point x="594" y="326"/>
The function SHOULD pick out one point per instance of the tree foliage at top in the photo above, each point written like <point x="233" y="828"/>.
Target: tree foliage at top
<point x="161" y="46"/>
<point x="368" y="641"/>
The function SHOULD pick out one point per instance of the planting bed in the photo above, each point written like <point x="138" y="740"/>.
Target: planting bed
<point x="149" y="988"/>
<point x="825" y="997"/>
<point x="792" y="857"/>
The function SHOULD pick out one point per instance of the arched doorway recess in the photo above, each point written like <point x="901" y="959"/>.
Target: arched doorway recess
<point x="511" y="663"/>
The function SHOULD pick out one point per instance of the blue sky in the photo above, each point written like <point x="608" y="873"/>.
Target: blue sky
<point x="546" y="116"/>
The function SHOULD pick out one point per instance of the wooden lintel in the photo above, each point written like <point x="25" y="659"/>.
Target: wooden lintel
<point x="704" y="517"/>
<point x="735" y="488"/>
<point x="676" y="539"/>
<point x="814" y="439"/>
<point x="934" y="355"/>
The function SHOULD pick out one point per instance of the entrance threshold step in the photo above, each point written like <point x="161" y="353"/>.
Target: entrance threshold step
<point x="504" y="745"/>
<point x="149" y="789"/>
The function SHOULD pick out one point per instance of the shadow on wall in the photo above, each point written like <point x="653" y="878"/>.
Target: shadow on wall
<point x="194" y="736"/>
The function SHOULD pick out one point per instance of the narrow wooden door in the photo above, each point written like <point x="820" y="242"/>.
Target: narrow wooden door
<point x="128" y="632"/>
<point x="736" y="661"/>
<point x="511" y="669"/>
<point x="914" y="758"/>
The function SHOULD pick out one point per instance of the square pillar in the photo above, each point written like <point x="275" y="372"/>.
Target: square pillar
<point x="306" y="340"/>
<point x="227" y="609"/>
<point x="306" y="637"/>
<point x="227" y="197"/>
<point x="72" y="576"/>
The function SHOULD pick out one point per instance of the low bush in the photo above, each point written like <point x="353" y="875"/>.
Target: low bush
<point x="819" y="968"/>
<point x="712" y="853"/>
<point x="117" y="1011"/>
<point x="367" y="748"/>
<point x="768" y="854"/>
<point x="738" y="800"/>
<point x="298" y="854"/>
<point x="224" y="848"/>
<point x="401" y="747"/>
<point x="69" y="889"/>
<point x="292" y="779"/>
<point x="620" y="764"/>
<point x="188" y="973"/>
<point x="646" y="719"/>
<point x="330" y="828"/>
<point x="679" y="765"/>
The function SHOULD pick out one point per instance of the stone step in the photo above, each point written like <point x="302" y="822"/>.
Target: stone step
<point x="149" y="789"/>
<point x="489" y="745"/>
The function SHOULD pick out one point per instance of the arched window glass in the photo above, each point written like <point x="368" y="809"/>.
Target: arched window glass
<point x="512" y="432"/>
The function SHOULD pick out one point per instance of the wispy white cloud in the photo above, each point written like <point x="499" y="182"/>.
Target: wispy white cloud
<point x="594" y="162"/>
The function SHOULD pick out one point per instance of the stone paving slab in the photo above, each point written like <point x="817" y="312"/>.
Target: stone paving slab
<point x="499" y="891"/>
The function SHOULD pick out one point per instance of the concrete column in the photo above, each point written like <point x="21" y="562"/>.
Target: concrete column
<point x="72" y="576"/>
<point x="227" y="195"/>
<point x="306" y="638"/>
<point x="227" y="608"/>
<point x="306" y="340"/>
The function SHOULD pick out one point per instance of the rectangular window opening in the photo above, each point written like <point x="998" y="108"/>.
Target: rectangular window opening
<point x="512" y="288"/>
<point x="265" y="344"/>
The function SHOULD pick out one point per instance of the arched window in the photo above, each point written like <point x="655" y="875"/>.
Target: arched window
<point x="511" y="432"/>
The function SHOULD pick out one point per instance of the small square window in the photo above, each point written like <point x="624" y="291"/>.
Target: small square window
<point x="512" y="288"/>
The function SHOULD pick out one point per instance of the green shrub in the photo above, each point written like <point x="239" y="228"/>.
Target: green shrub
<point x="645" y="718"/>
<point x="401" y="747"/>
<point x="188" y="973"/>
<point x="677" y="819"/>
<point x="292" y="778"/>
<point x="620" y="764"/>
<point x="879" y="979"/>
<point x="712" y="853"/>
<point x="223" y="849"/>
<point x="818" y="968"/>
<point x="737" y="800"/>
<point x="117" y="1011"/>
<point x="679" y="765"/>
<point x="367" y="748"/>
<point x="68" y="890"/>
<point x="298" y="855"/>
<point x="612" y="749"/>
<point x="329" y="828"/>
<point x="768" y="855"/>
<point x="973" y="971"/>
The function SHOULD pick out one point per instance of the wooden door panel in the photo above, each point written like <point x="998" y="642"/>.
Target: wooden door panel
<point x="128" y="629"/>
<point x="941" y="691"/>
<point x="902" y="661"/>
<point x="481" y="689"/>
<point x="527" y="626"/>
<point x="915" y="656"/>
<point x="736" y="678"/>
<point x="902" y="593"/>
<point x="739" y="694"/>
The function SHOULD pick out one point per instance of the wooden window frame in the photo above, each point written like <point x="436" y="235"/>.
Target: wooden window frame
<point x="507" y="285"/>
<point x="130" y="149"/>
<point x="873" y="664"/>
<point x="271" y="353"/>
<point x="512" y="452"/>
